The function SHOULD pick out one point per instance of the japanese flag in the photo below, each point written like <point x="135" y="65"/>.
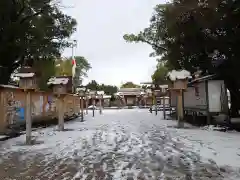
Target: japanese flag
<point x="74" y="65"/>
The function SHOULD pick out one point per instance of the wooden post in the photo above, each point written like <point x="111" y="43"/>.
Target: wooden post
<point x="28" y="115"/>
<point x="207" y="102"/>
<point x="82" y="108"/>
<point x="164" y="108"/>
<point x="180" y="109"/>
<point x="93" y="110"/>
<point x="170" y="103"/>
<point x="3" y="112"/>
<point x="60" y="113"/>
<point x="86" y="104"/>
<point x="75" y="106"/>
<point x="100" y="105"/>
<point x="155" y="98"/>
<point x="194" y="117"/>
<point x="80" y="105"/>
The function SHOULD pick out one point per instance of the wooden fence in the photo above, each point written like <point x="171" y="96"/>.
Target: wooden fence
<point x="43" y="104"/>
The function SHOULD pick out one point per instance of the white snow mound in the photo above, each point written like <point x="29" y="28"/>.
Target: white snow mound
<point x="182" y="74"/>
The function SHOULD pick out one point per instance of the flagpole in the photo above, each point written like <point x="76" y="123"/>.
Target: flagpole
<point x="74" y="43"/>
<point x="72" y="74"/>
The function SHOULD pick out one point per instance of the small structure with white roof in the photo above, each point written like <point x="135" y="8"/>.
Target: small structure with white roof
<point x="179" y="78"/>
<point x="27" y="78"/>
<point x="180" y="82"/>
<point x="60" y="85"/>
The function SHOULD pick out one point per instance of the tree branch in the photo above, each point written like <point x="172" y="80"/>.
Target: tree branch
<point x="33" y="15"/>
<point x="154" y="45"/>
<point x="22" y="9"/>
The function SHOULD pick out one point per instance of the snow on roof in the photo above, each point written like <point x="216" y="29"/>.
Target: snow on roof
<point x="100" y="92"/>
<point x="130" y="89"/>
<point x="57" y="81"/>
<point x="163" y="86"/>
<point x="128" y="93"/>
<point x="148" y="91"/>
<point x="204" y="78"/>
<point x="9" y="86"/>
<point x="106" y="96"/>
<point x="146" y="83"/>
<point x="24" y="75"/>
<point x="182" y="74"/>
<point x="92" y="92"/>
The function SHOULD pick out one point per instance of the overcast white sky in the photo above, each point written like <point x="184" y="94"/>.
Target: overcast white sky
<point x="100" y="30"/>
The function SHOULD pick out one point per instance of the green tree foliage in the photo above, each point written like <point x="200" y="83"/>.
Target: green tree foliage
<point x="93" y="85"/>
<point x="108" y="89"/>
<point x="130" y="85"/>
<point x="31" y="30"/>
<point x="193" y="34"/>
<point x="83" y="66"/>
<point x="144" y="87"/>
<point x="160" y="74"/>
<point x="46" y="70"/>
<point x="64" y="67"/>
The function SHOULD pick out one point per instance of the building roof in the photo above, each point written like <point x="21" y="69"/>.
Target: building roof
<point x="204" y="78"/>
<point x="9" y="86"/>
<point x="104" y="97"/>
<point x="26" y="69"/>
<point x="26" y="72"/>
<point x="130" y="90"/>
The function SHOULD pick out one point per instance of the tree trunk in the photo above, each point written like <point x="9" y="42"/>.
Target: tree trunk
<point x="235" y="98"/>
<point x="5" y="75"/>
<point x="234" y="103"/>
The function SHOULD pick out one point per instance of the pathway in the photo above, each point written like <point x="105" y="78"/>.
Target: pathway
<point x="118" y="145"/>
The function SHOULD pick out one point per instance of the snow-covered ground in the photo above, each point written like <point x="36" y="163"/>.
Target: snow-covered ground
<point x="119" y="145"/>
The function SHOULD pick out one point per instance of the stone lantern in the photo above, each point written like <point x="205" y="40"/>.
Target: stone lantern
<point x="180" y="81"/>
<point x="58" y="85"/>
<point x="100" y="96"/>
<point x="59" y="88"/>
<point x="28" y="82"/>
<point x="93" y="97"/>
<point x="87" y="99"/>
<point x="27" y="78"/>
<point x="82" y="93"/>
